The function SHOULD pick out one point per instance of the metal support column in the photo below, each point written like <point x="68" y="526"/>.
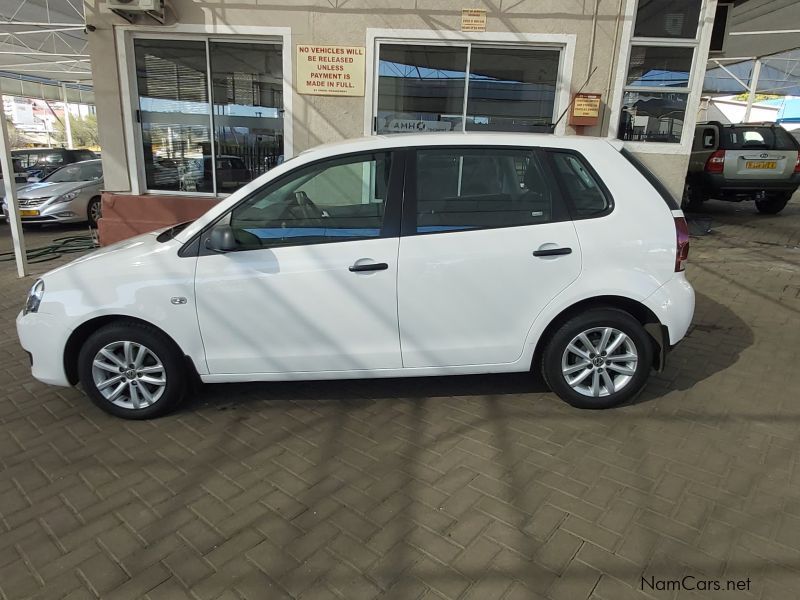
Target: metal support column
<point x="67" y="124"/>
<point x="9" y="182"/>
<point x="751" y="96"/>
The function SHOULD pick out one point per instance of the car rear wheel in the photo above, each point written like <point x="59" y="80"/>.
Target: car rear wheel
<point x="598" y="359"/>
<point x="774" y="205"/>
<point x="93" y="211"/>
<point x="692" y="198"/>
<point x="131" y="370"/>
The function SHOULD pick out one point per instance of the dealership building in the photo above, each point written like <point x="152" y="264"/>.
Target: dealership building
<point x="193" y="105"/>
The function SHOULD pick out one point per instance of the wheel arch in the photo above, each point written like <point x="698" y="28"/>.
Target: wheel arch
<point x="651" y="323"/>
<point x="81" y="333"/>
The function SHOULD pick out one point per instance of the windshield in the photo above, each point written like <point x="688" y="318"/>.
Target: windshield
<point x="88" y="171"/>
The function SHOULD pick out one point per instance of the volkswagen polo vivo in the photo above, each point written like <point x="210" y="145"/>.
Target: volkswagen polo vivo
<point x="427" y="254"/>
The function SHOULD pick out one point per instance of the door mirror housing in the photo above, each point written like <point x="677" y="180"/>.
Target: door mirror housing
<point x="221" y="239"/>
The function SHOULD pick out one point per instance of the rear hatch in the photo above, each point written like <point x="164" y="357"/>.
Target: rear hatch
<point x="758" y="152"/>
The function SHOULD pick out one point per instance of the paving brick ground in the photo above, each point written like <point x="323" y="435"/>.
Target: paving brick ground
<point x="469" y="488"/>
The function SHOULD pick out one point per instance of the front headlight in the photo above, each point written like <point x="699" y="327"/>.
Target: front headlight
<point x="34" y="298"/>
<point x="65" y="197"/>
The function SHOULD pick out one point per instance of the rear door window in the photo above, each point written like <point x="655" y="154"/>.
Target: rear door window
<point x="461" y="189"/>
<point x="764" y="138"/>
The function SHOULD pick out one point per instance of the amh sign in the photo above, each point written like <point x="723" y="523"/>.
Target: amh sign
<point x="330" y="70"/>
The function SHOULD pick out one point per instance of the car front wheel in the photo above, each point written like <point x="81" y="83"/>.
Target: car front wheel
<point x="131" y="370"/>
<point x="598" y="359"/>
<point x="93" y="211"/>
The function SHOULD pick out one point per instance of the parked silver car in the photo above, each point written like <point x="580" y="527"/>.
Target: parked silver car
<point x="751" y="161"/>
<point x="69" y="195"/>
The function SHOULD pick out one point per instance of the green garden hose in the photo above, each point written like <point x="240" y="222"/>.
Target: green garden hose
<point x="59" y="247"/>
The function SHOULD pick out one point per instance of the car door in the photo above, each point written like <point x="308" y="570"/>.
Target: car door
<point x="312" y="284"/>
<point x="486" y="244"/>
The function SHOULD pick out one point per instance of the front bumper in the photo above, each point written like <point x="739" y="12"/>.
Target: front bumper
<point x="44" y="340"/>
<point x="50" y="214"/>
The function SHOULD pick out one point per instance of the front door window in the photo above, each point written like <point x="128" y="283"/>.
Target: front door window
<point x="337" y="200"/>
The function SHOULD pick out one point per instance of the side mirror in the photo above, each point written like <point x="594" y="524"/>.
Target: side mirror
<point x="34" y="179"/>
<point x="221" y="239"/>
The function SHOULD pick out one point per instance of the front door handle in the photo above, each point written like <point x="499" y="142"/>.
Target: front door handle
<point x="552" y="252"/>
<point x="368" y="267"/>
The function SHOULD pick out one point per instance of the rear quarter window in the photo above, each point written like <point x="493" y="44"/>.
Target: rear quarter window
<point x="582" y="186"/>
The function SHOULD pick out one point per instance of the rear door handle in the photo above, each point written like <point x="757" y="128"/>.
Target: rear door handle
<point x="552" y="252"/>
<point x="368" y="267"/>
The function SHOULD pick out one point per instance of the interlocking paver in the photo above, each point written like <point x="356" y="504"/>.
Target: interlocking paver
<point x="455" y="488"/>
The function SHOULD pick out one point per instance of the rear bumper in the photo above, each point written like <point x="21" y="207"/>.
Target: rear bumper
<point x="673" y="304"/>
<point x="715" y="184"/>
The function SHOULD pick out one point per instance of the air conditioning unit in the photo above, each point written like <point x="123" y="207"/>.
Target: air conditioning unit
<point x="136" y="6"/>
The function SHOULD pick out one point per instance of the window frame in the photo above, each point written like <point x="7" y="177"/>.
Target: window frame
<point x="467" y="45"/>
<point x="390" y="227"/>
<point x="564" y="42"/>
<point x="700" y="55"/>
<point x="410" y="201"/>
<point x="126" y="34"/>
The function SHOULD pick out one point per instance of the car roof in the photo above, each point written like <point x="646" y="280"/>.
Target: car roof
<point x="437" y="138"/>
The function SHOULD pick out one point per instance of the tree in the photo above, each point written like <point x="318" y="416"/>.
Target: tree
<point x="13" y="133"/>
<point x="84" y="132"/>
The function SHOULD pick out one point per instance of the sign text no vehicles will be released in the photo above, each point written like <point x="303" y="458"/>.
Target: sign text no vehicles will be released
<point x="330" y="70"/>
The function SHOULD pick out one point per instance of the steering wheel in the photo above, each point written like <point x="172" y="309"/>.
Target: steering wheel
<point x="308" y="209"/>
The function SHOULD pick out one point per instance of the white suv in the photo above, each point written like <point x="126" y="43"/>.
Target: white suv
<point x="428" y="254"/>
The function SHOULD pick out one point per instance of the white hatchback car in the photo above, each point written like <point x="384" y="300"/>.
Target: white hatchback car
<point x="427" y="254"/>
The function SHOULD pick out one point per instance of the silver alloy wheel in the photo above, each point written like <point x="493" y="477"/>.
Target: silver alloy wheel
<point x="599" y="361"/>
<point x="94" y="211"/>
<point x="129" y="374"/>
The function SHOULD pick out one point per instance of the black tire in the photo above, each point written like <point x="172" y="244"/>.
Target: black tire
<point x="598" y="318"/>
<point x="692" y="199"/>
<point x="162" y="349"/>
<point x="774" y="205"/>
<point x="94" y="205"/>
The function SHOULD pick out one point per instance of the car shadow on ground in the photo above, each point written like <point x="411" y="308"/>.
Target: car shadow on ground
<point x="714" y="325"/>
<point x="359" y="392"/>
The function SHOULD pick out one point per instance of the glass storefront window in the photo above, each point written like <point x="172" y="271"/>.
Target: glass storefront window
<point x="659" y="66"/>
<point x="659" y="75"/>
<point x="247" y="92"/>
<point x="667" y="18"/>
<point x="511" y="89"/>
<point x="421" y="88"/>
<point x="186" y="145"/>
<point x="652" y="116"/>
<point x="173" y="109"/>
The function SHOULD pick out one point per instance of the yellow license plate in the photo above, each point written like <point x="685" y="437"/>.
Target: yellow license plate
<point x="761" y="164"/>
<point x="29" y="213"/>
